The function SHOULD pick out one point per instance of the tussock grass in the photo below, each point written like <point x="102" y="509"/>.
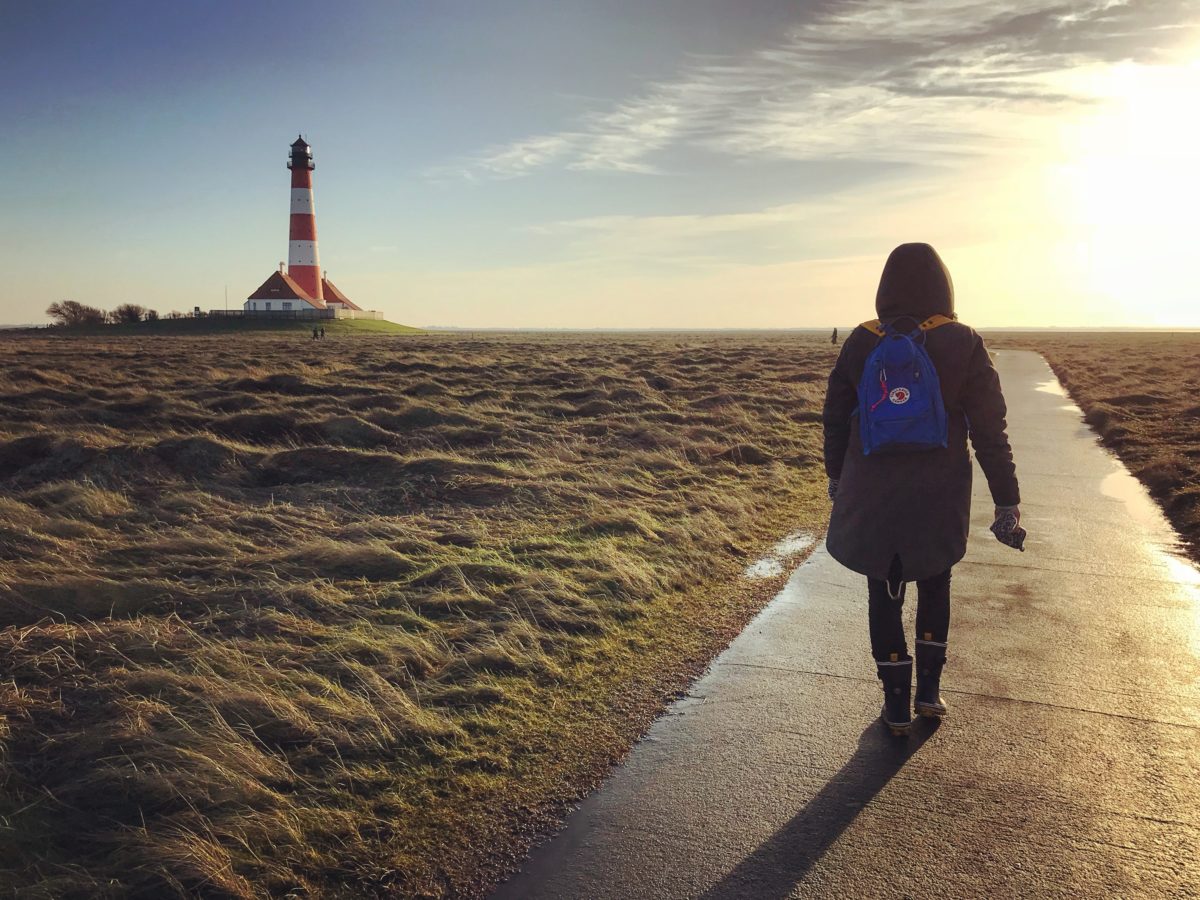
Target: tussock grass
<point x="71" y="499"/>
<point x="370" y="560"/>
<point x="1138" y="391"/>
<point x="357" y="619"/>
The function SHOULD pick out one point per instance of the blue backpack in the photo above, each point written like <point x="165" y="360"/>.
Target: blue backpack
<point x="900" y="404"/>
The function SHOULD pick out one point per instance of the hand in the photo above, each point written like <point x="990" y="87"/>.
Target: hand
<point x="833" y="487"/>
<point x="1007" y="527"/>
<point x="1005" y="511"/>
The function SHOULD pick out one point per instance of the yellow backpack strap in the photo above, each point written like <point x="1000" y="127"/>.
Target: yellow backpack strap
<point x="874" y="327"/>
<point x="936" y="321"/>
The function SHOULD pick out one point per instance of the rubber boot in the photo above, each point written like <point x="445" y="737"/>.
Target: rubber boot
<point x="896" y="675"/>
<point x="931" y="657"/>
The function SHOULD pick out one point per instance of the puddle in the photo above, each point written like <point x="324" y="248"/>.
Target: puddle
<point x="1052" y="387"/>
<point x="1120" y="485"/>
<point x="1188" y="577"/>
<point x="1181" y="570"/>
<point x="1164" y="545"/>
<point x="775" y="562"/>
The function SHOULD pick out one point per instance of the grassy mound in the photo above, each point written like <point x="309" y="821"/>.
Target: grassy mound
<point x="232" y="325"/>
<point x="356" y="619"/>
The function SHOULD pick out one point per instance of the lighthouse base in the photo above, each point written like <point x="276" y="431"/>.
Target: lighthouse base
<point x="327" y="313"/>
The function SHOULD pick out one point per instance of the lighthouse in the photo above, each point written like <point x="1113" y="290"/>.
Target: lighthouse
<point x="301" y="287"/>
<point x="304" y="264"/>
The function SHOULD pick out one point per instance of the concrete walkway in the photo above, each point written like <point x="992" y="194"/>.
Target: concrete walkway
<point x="1070" y="765"/>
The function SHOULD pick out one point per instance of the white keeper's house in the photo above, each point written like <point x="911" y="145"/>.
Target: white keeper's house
<point x="281" y="293"/>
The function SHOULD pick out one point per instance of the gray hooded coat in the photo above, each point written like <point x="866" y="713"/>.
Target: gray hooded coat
<point x="915" y="505"/>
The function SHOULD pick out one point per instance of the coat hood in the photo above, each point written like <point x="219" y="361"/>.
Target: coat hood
<point x="915" y="282"/>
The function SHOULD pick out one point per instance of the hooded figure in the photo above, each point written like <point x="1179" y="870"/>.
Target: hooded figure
<point x="904" y="516"/>
<point x="916" y="506"/>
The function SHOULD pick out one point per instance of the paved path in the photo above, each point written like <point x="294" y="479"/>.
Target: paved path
<point x="1070" y="766"/>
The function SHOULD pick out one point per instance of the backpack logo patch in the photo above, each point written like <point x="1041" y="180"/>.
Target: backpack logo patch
<point x="899" y="396"/>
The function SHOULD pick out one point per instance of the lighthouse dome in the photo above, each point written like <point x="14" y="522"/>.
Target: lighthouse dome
<point x="300" y="155"/>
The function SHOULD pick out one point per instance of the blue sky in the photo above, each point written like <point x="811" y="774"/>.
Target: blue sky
<point x="619" y="163"/>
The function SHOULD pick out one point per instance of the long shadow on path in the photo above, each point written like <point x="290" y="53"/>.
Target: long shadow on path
<point x="780" y="863"/>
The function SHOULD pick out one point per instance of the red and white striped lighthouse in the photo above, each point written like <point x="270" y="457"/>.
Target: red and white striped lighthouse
<point x="303" y="287"/>
<point x="304" y="265"/>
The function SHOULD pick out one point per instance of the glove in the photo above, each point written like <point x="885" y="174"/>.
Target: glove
<point x="1007" y="527"/>
<point x="833" y="487"/>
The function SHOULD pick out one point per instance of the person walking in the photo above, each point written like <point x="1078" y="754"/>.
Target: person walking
<point x="833" y="340"/>
<point x="314" y="333"/>
<point x="900" y="472"/>
<point x="322" y="332"/>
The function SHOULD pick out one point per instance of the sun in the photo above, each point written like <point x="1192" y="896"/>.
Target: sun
<point x="1131" y="191"/>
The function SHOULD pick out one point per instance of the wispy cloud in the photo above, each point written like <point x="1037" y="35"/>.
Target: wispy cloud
<point x="834" y="224"/>
<point x="519" y="157"/>
<point x="929" y="79"/>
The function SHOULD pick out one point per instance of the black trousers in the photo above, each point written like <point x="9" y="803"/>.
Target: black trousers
<point x="887" y="629"/>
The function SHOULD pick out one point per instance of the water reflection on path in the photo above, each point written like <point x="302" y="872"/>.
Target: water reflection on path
<point x="776" y="562"/>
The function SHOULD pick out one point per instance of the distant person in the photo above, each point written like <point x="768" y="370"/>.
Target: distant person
<point x="833" y="340"/>
<point x="314" y="333"/>
<point x="322" y="332"/>
<point x="899" y="470"/>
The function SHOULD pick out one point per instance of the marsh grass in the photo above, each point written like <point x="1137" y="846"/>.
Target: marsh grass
<point x="356" y="618"/>
<point x="1141" y="394"/>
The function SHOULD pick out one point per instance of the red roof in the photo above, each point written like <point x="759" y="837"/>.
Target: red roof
<point x="280" y="286"/>
<point x="333" y="295"/>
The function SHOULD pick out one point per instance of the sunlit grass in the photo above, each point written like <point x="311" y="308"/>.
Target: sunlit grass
<point x="357" y="617"/>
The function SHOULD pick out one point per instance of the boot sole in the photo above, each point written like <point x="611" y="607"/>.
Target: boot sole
<point x="931" y="712"/>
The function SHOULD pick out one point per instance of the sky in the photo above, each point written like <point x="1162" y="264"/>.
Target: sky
<point x="607" y="163"/>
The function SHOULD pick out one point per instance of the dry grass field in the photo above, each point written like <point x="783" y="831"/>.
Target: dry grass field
<point x="355" y="618"/>
<point x="1141" y="393"/>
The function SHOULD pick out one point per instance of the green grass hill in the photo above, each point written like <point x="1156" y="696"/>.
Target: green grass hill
<point x="238" y="325"/>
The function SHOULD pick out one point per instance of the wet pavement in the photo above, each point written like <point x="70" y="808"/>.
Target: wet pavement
<point x="1069" y="766"/>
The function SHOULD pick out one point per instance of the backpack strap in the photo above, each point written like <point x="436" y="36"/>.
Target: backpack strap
<point x="874" y="326"/>
<point x="935" y="321"/>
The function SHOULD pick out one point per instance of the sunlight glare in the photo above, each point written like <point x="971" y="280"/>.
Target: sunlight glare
<point x="1130" y="187"/>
